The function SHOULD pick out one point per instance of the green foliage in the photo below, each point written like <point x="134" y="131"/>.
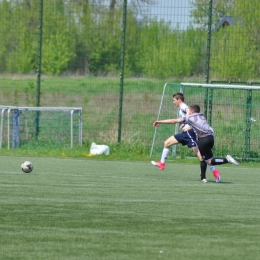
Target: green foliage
<point x="233" y="55"/>
<point x="104" y="52"/>
<point x="58" y="47"/>
<point x="81" y="36"/>
<point x="5" y="14"/>
<point x="19" y="42"/>
<point x="30" y="94"/>
<point x="99" y="100"/>
<point x="25" y="54"/>
<point x="56" y="54"/>
<point x="16" y="96"/>
<point x="234" y="49"/>
<point x="200" y="11"/>
<point x="171" y="53"/>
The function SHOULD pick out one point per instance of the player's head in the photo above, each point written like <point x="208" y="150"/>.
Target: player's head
<point x="194" y="109"/>
<point x="178" y="98"/>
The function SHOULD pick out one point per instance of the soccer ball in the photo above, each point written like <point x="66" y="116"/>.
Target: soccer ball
<point x="27" y="167"/>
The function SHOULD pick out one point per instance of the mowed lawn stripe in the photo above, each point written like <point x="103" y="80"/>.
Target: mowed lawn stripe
<point x="90" y="209"/>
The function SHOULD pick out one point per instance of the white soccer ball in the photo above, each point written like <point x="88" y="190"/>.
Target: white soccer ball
<point x="27" y="167"/>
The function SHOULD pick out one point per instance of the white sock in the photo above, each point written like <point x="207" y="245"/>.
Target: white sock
<point x="211" y="167"/>
<point x="165" y="154"/>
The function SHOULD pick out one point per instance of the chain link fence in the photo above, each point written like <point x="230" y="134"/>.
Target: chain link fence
<point x="112" y="58"/>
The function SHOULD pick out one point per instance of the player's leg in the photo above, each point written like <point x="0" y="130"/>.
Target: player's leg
<point x="203" y="169"/>
<point x="231" y="160"/>
<point x="203" y="165"/>
<point x="195" y="149"/>
<point x="219" y="161"/>
<point x="211" y="167"/>
<point x="192" y="143"/>
<point x="165" y="153"/>
<point x="205" y="145"/>
<point x="166" y="150"/>
<point x="216" y="160"/>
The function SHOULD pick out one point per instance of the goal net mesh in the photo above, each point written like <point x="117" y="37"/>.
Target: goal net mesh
<point x="232" y="111"/>
<point x="45" y="128"/>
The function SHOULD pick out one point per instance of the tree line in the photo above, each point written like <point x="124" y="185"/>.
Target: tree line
<point x="84" y="37"/>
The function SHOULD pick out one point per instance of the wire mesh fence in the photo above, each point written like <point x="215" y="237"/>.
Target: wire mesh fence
<point x="112" y="58"/>
<point x="58" y="126"/>
<point x="232" y="111"/>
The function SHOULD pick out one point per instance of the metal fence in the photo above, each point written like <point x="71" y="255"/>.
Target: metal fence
<point x="112" y="58"/>
<point x="232" y="111"/>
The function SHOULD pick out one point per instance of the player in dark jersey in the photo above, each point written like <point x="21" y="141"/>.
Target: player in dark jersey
<point x="205" y="135"/>
<point x="187" y="137"/>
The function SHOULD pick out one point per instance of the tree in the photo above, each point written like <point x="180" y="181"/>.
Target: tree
<point x="235" y="52"/>
<point x="200" y="8"/>
<point x="20" y="41"/>
<point x="5" y="21"/>
<point x="233" y="56"/>
<point x="169" y="52"/>
<point x="58" y="47"/>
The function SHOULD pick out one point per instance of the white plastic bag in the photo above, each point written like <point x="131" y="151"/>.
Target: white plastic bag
<point x="99" y="149"/>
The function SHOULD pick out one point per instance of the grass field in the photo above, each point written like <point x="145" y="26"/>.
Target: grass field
<point x="94" y="209"/>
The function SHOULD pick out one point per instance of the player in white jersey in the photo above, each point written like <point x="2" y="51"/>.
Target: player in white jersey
<point x="205" y="137"/>
<point x="186" y="137"/>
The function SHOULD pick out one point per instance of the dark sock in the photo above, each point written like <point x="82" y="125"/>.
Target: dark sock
<point x="218" y="161"/>
<point x="203" y="168"/>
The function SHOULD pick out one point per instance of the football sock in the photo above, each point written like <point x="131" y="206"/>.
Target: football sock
<point x="203" y="168"/>
<point x="165" y="154"/>
<point x="218" y="161"/>
<point x="211" y="167"/>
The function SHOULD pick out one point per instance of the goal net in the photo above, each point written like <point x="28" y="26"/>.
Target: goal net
<point x="40" y="126"/>
<point x="232" y="111"/>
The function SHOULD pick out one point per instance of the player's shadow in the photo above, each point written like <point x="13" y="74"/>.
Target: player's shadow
<point x="220" y="183"/>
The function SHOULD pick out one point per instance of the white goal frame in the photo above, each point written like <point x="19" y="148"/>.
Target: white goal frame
<point x="174" y="147"/>
<point x="182" y="86"/>
<point x="72" y="110"/>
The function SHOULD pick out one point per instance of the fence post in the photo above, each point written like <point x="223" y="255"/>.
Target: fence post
<point x="122" y="64"/>
<point x="208" y="42"/>
<point x="207" y="113"/>
<point x="248" y="123"/>
<point x="38" y="89"/>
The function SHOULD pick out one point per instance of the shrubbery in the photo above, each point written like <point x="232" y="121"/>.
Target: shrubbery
<point x="83" y="38"/>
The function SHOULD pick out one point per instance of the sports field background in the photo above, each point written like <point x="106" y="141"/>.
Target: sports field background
<point x="112" y="58"/>
<point x="94" y="209"/>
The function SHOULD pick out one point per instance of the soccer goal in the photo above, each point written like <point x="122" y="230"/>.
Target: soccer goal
<point x="55" y="126"/>
<point x="232" y="110"/>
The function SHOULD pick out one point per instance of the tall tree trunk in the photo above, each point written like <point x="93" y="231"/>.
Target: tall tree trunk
<point x="112" y="5"/>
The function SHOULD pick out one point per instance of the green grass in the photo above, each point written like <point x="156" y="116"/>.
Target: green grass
<point x="99" y="99"/>
<point x="123" y="151"/>
<point x="96" y="209"/>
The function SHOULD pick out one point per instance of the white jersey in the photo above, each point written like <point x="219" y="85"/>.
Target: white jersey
<point x="182" y="113"/>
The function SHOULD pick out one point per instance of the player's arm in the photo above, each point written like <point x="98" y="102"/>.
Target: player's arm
<point x="188" y="111"/>
<point x="166" y="121"/>
<point x="181" y="126"/>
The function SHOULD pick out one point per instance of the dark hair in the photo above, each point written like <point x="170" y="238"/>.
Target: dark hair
<point x="178" y="96"/>
<point x="195" y="108"/>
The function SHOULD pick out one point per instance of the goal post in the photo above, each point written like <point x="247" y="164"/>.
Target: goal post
<point x="57" y="125"/>
<point x="4" y="110"/>
<point x="232" y="110"/>
<point x="166" y="110"/>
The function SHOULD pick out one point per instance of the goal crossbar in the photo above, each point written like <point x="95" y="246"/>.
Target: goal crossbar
<point x="226" y="98"/>
<point x="227" y="86"/>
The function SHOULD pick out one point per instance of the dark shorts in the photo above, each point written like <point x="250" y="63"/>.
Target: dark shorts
<point x="205" y="145"/>
<point x="188" y="138"/>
